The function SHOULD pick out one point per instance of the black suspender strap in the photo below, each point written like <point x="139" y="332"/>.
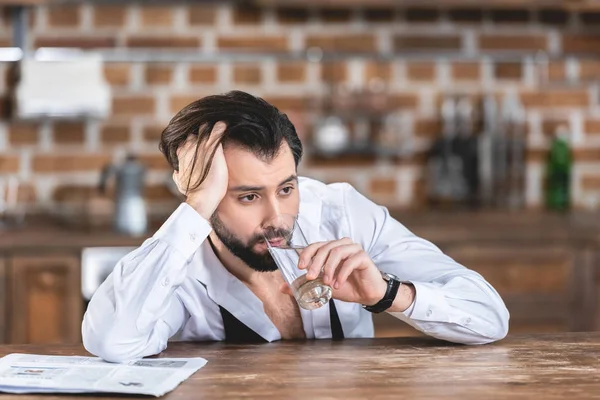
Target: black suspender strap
<point x="336" y="326"/>
<point x="238" y="332"/>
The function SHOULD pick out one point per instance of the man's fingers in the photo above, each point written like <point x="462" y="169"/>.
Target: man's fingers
<point x="307" y="254"/>
<point x="318" y="260"/>
<point x="184" y="150"/>
<point x="335" y="258"/>
<point x="216" y="133"/>
<point x="210" y="144"/>
<point x="344" y="271"/>
<point x="193" y="157"/>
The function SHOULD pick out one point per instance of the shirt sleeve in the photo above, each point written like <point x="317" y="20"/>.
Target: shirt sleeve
<point x="136" y="309"/>
<point x="452" y="302"/>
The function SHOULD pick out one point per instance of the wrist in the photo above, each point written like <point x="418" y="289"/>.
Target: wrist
<point x="377" y="295"/>
<point x="205" y="212"/>
<point x="404" y="299"/>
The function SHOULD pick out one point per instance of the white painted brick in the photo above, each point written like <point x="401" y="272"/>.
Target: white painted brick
<point x="209" y="42"/>
<point x="356" y="73"/>
<point x="533" y="184"/>
<point x="443" y="74"/>
<point x="41" y="20"/>
<point x="534" y="123"/>
<point x="427" y="104"/>
<point x="594" y="90"/>
<point x="180" y="76"/>
<point x="313" y="71"/>
<point x="554" y="42"/>
<point x="3" y="137"/>
<point x="572" y="70"/>
<point x="137" y="129"/>
<point x="404" y="186"/>
<point x="92" y="135"/>
<point x="533" y="73"/>
<point x="180" y="19"/>
<point x="269" y="75"/>
<point x="469" y="39"/>
<point x="296" y="40"/>
<point x="270" y="20"/>
<point x="223" y="18"/>
<point x="487" y="74"/>
<point x="576" y="121"/>
<point x="44" y="186"/>
<point x="137" y="76"/>
<point x="46" y="136"/>
<point x="25" y="172"/>
<point x="384" y="42"/>
<point x="133" y="21"/>
<point x="87" y="17"/>
<point x="162" y="97"/>
<point x="576" y="189"/>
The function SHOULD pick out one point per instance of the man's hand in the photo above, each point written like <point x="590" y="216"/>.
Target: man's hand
<point x="349" y="270"/>
<point x="207" y="197"/>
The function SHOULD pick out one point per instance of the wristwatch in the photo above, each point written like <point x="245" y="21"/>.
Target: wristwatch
<point x="393" y="284"/>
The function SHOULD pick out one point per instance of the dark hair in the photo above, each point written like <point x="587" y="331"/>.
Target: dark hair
<point x="251" y="122"/>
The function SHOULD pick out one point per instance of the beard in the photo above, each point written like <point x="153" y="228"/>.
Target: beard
<point x="260" y="262"/>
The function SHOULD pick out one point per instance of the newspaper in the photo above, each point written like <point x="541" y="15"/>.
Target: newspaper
<point x="30" y="373"/>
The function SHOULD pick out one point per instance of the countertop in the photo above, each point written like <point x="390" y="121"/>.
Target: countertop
<point x="520" y="367"/>
<point x="578" y="229"/>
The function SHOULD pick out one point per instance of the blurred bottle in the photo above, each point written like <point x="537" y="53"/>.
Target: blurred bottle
<point x="447" y="186"/>
<point x="516" y="152"/>
<point x="558" y="171"/>
<point x="130" y="215"/>
<point x="509" y="154"/>
<point x="486" y="150"/>
<point x="465" y="146"/>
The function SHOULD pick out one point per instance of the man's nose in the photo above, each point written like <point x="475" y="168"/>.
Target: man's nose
<point x="272" y="211"/>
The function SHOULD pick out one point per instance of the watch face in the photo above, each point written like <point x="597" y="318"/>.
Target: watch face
<point x="388" y="276"/>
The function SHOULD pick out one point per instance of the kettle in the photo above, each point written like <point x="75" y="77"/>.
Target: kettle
<point x="130" y="215"/>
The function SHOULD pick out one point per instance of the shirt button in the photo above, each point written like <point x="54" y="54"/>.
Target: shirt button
<point x="468" y="321"/>
<point x="165" y="282"/>
<point x="193" y="237"/>
<point x="429" y="312"/>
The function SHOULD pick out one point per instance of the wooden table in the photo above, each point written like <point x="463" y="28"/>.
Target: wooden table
<point x="561" y="366"/>
<point x="545" y="266"/>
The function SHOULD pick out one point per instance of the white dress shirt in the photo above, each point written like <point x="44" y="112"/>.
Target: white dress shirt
<point x="171" y="287"/>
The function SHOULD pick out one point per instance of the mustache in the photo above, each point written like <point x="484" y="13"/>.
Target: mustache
<point x="269" y="233"/>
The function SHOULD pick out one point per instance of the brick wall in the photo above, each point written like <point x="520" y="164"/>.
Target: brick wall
<point x="59" y="161"/>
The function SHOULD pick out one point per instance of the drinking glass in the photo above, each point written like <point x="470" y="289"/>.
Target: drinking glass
<point x="285" y="241"/>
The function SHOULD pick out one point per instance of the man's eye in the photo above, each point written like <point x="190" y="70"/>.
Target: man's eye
<point x="249" y="198"/>
<point x="287" y="190"/>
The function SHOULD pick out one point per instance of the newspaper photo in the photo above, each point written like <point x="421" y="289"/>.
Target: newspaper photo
<point x="30" y="373"/>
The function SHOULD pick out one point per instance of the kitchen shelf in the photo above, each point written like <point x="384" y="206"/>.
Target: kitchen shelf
<point x="440" y="4"/>
<point x="363" y="158"/>
<point x="11" y="54"/>
<point x="5" y="3"/>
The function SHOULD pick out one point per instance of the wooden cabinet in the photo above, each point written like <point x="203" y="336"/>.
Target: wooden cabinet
<point x="3" y="302"/>
<point x="537" y="283"/>
<point x="545" y="288"/>
<point x="45" y="299"/>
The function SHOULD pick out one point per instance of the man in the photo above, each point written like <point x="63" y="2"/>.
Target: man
<point x="205" y="274"/>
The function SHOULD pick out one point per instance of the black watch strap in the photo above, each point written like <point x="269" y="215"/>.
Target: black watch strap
<point x="393" y="284"/>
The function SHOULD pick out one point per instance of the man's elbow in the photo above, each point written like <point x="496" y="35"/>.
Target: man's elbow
<point x="502" y="324"/>
<point x="112" y="345"/>
<point x="498" y="326"/>
<point x="97" y="343"/>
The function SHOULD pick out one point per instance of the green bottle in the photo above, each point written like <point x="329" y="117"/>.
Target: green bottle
<point x="558" y="193"/>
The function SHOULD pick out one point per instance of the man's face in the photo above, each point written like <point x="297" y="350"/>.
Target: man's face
<point x="257" y="192"/>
